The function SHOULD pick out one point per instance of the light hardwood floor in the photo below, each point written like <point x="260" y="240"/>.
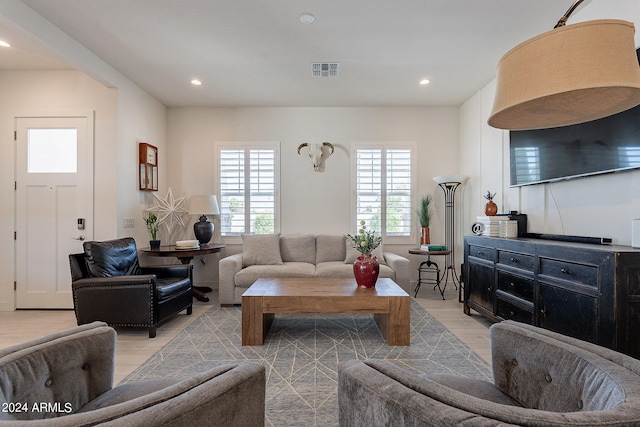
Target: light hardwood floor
<point x="134" y="346"/>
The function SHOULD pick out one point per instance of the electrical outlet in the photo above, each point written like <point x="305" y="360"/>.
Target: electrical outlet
<point x="127" y="222"/>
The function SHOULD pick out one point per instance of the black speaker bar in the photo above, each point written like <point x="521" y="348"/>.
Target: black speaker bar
<point x="574" y="239"/>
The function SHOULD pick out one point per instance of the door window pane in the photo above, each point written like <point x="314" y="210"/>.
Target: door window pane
<point x="52" y="151"/>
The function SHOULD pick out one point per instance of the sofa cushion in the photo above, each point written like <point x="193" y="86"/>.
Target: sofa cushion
<point x="112" y="258"/>
<point x="171" y="286"/>
<point x="481" y="389"/>
<point x="298" y="248"/>
<point x="329" y="248"/>
<point x="353" y="253"/>
<point x="340" y="269"/>
<point x="247" y="276"/>
<point x="261" y="249"/>
<point x="127" y="392"/>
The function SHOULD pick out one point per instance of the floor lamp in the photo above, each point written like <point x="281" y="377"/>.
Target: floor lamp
<point x="449" y="184"/>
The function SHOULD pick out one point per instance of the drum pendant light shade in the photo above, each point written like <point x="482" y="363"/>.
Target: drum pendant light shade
<point x="571" y="74"/>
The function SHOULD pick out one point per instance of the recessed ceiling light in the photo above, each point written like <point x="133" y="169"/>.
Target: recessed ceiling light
<point x="424" y="82"/>
<point x="307" y="18"/>
<point x="196" y="82"/>
<point x="4" y="43"/>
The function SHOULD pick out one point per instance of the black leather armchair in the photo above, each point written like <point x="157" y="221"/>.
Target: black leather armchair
<point x="110" y="286"/>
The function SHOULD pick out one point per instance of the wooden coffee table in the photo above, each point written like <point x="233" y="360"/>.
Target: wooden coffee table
<point x="388" y="302"/>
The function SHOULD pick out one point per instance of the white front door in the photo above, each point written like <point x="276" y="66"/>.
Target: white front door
<point x="54" y="206"/>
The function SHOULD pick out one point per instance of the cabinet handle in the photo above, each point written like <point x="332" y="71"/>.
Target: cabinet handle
<point x="565" y="271"/>
<point x="513" y="260"/>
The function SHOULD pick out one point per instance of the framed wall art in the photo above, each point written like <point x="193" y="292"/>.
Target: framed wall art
<point x="148" y="167"/>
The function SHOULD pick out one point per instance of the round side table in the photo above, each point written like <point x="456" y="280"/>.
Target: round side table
<point x="429" y="268"/>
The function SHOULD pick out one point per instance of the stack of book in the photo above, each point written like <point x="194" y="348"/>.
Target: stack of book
<point x="498" y="226"/>
<point x="433" y="248"/>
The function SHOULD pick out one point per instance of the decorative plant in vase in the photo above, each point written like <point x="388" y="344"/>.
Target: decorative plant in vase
<point x="366" y="267"/>
<point x="424" y="217"/>
<point x="490" y="209"/>
<point x="153" y="226"/>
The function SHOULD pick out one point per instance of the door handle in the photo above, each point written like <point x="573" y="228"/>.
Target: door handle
<point x="81" y="238"/>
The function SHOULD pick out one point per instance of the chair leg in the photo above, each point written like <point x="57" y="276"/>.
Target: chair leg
<point x="152" y="332"/>
<point x="189" y="310"/>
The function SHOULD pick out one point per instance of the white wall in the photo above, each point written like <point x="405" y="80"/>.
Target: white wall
<point x="310" y="202"/>
<point x="601" y="206"/>
<point x="125" y="114"/>
<point x="53" y="92"/>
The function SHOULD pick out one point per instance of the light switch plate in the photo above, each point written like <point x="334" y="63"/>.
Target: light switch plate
<point x="127" y="222"/>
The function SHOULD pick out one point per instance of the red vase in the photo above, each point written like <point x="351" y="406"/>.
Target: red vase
<point x="366" y="269"/>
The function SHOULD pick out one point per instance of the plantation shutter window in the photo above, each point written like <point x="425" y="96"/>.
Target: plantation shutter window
<point x="248" y="179"/>
<point x="384" y="187"/>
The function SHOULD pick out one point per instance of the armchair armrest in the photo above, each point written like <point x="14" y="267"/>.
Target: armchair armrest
<point x="228" y="267"/>
<point x="401" y="266"/>
<point x="141" y="279"/>
<point x="124" y="300"/>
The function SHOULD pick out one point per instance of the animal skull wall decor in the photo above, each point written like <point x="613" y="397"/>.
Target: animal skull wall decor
<point x="317" y="154"/>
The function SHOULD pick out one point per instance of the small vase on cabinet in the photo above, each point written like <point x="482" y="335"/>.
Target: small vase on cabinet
<point x="490" y="209"/>
<point x="366" y="270"/>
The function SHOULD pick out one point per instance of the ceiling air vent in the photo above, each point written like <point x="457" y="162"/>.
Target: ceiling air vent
<point x="325" y="69"/>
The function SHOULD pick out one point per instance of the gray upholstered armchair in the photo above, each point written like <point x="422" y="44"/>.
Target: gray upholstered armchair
<point x="110" y="286"/>
<point x="540" y="379"/>
<point x="65" y="380"/>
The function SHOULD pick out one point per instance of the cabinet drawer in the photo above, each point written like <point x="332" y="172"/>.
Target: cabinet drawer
<point x="516" y="286"/>
<point x="581" y="274"/>
<point x="508" y="311"/>
<point x="516" y="260"/>
<point x="482" y="252"/>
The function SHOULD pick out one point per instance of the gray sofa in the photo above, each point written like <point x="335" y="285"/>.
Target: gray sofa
<point x="540" y="379"/>
<point x="275" y="256"/>
<point x="65" y="380"/>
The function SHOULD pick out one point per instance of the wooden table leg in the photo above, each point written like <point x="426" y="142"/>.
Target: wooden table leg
<point x="255" y="323"/>
<point x="395" y="325"/>
<point x="197" y="291"/>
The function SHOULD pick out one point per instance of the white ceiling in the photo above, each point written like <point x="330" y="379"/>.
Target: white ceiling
<point x="258" y="53"/>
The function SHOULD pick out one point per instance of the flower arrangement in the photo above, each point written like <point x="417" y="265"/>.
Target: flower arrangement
<point x="365" y="241"/>
<point x="490" y="196"/>
<point x="152" y="225"/>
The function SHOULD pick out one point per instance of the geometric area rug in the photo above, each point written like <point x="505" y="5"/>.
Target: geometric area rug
<point x="301" y="354"/>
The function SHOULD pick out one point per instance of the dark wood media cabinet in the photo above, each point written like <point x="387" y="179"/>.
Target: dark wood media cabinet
<point x="590" y="292"/>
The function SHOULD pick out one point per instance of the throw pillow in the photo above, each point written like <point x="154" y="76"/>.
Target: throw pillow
<point x="261" y="249"/>
<point x="353" y="253"/>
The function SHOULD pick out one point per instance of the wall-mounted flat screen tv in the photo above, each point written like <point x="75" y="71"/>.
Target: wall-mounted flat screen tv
<point x="605" y="145"/>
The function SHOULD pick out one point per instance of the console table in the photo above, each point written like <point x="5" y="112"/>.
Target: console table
<point x="185" y="256"/>
<point x="590" y="292"/>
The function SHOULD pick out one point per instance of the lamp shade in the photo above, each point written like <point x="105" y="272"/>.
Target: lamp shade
<point x="204" y="205"/>
<point x="571" y="74"/>
<point x="442" y="179"/>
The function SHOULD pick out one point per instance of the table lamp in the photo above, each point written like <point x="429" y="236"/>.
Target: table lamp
<point x="203" y="206"/>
